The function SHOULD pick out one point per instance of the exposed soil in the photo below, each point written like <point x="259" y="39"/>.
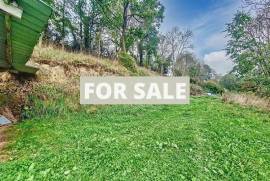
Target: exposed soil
<point x="13" y="91"/>
<point x="14" y="88"/>
<point x="3" y="142"/>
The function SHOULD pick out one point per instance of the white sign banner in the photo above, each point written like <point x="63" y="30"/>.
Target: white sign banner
<point x="134" y="90"/>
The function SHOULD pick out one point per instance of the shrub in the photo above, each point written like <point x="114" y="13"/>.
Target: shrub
<point x="213" y="87"/>
<point x="196" y="90"/>
<point x="263" y="86"/>
<point x="258" y="85"/>
<point x="248" y="86"/>
<point x="264" y="91"/>
<point x="127" y="61"/>
<point x="230" y="82"/>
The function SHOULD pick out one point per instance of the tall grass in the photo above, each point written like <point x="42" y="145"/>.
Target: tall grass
<point x="247" y="99"/>
<point x="49" y="100"/>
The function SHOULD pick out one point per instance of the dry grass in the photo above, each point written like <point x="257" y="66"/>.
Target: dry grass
<point x="55" y="56"/>
<point x="64" y="68"/>
<point x="88" y="64"/>
<point x="245" y="99"/>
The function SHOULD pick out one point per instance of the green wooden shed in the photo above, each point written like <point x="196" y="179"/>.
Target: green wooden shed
<point x="21" y="24"/>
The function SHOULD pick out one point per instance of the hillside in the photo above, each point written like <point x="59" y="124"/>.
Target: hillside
<point x="57" y="81"/>
<point x="57" y="68"/>
<point x="61" y="139"/>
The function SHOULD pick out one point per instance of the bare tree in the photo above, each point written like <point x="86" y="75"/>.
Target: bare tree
<point x="179" y="41"/>
<point x="163" y="46"/>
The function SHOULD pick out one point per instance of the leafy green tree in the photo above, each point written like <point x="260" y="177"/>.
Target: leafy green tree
<point x="249" y="44"/>
<point x="107" y="27"/>
<point x="239" y="45"/>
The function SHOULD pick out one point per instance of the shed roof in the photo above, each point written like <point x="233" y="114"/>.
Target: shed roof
<point x="24" y="33"/>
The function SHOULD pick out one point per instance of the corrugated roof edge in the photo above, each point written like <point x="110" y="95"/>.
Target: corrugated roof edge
<point x="46" y="4"/>
<point x="53" y="9"/>
<point x="26" y="68"/>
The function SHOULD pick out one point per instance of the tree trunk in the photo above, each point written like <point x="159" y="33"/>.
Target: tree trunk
<point x="98" y="42"/>
<point x="124" y="26"/>
<point x="63" y="24"/>
<point x="86" y="33"/>
<point x="81" y="36"/>
<point x="81" y="15"/>
<point x="91" y="27"/>
<point x="140" y="49"/>
<point x="162" y="69"/>
<point x="41" y="39"/>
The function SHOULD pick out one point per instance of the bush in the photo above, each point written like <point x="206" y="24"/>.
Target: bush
<point x="196" y="90"/>
<point x="257" y="85"/>
<point x="213" y="87"/>
<point x="264" y="91"/>
<point x="248" y="86"/>
<point x="127" y="61"/>
<point x="230" y="82"/>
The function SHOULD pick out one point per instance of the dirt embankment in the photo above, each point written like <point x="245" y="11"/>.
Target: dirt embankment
<point x="56" y="68"/>
<point x="13" y="91"/>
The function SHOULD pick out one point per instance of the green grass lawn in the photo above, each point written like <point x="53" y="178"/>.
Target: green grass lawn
<point x="205" y="140"/>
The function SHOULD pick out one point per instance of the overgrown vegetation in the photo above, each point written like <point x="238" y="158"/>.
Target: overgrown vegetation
<point x="213" y="87"/>
<point x="247" y="100"/>
<point x="54" y="56"/>
<point x="52" y="100"/>
<point x="248" y="46"/>
<point x="127" y="61"/>
<point x="61" y="70"/>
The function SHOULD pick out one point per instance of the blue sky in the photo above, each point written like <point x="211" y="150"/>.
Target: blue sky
<point x="207" y="19"/>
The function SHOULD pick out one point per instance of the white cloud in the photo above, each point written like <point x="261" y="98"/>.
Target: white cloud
<point x="219" y="61"/>
<point x="217" y="41"/>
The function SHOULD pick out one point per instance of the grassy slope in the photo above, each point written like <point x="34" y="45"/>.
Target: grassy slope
<point x="204" y="140"/>
<point x="50" y="54"/>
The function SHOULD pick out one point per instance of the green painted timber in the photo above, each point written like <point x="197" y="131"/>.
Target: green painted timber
<point x="3" y="64"/>
<point x="25" y="33"/>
